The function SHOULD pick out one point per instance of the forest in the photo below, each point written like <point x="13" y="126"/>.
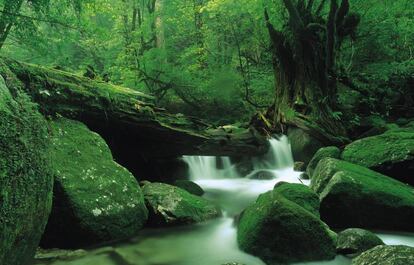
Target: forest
<point x="206" y="132"/>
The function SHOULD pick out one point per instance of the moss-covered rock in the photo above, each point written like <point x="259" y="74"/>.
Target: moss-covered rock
<point x="95" y="199"/>
<point x="299" y="194"/>
<point x="330" y="151"/>
<point x="25" y="178"/>
<point x="354" y="241"/>
<point x="280" y="231"/>
<point x="354" y="196"/>
<point x="303" y="145"/>
<point x="386" y="255"/>
<point x="391" y="153"/>
<point x="327" y="167"/>
<point x="170" y="205"/>
<point x="189" y="186"/>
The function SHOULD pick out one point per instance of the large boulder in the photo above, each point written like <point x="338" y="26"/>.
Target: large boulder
<point x="386" y="255"/>
<point x="354" y="241"/>
<point x="354" y="196"/>
<point x="299" y="194"/>
<point x="391" y="154"/>
<point x="170" y="205"/>
<point x="95" y="199"/>
<point x="25" y="178"/>
<point x="303" y="145"/>
<point x="330" y="151"/>
<point x="278" y="230"/>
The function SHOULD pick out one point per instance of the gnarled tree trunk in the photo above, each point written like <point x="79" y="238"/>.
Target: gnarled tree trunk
<point x="305" y="66"/>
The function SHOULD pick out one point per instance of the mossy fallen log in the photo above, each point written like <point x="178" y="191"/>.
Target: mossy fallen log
<point x="128" y="120"/>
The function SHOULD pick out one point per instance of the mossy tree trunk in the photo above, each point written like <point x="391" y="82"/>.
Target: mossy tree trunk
<point x="305" y="52"/>
<point x="128" y="120"/>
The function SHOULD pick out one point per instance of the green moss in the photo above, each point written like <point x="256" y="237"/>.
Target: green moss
<point x="299" y="194"/>
<point x="330" y="151"/>
<point x="391" y="153"/>
<point x="367" y="199"/>
<point x="354" y="241"/>
<point x="96" y="199"/>
<point x="327" y="167"/>
<point x="189" y="186"/>
<point x="25" y="177"/>
<point x="280" y="231"/>
<point x="169" y="205"/>
<point x="386" y="255"/>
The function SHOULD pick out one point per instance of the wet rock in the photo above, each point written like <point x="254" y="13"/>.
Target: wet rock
<point x="189" y="186"/>
<point x="25" y="178"/>
<point x="261" y="175"/>
<point x="95" y="199"/>
<point x="355" y="196"/>
<point x="243" y="165"/>
<point x="391" y="154"/>
<point x="354" y="241"/>
<point x="330" y="151"/>
<point x="305" y="176"/>
<point x="303" y="145"/>
<point x="299" y="194"/>
<point x="386" y="255"/>
<point x="170" y="205"/>
<point x="299" y="166"/>
<point x="280" y="231"/>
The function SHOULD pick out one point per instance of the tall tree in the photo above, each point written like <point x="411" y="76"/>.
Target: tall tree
<point x="305" y="68"/>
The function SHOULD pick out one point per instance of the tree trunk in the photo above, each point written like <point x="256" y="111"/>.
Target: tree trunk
<point x="304" y="67"/>
<point x="128" y="120"/>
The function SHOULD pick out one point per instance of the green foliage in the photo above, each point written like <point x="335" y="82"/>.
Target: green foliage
<point x="209" y="58"/>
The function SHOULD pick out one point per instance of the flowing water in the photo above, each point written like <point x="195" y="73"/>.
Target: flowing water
<point x="214" y="242"/>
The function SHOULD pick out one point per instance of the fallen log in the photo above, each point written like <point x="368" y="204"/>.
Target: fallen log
<point x="128" y="120"/>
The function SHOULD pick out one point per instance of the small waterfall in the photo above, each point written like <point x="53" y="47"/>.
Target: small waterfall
<point x="210" y="167"/>
<point x="279" y="155"/>
<point x="219" y="177"/>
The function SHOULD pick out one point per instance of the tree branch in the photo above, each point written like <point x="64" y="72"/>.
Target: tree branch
<point x="294" y="15"/>
<point x="342" y="13"/>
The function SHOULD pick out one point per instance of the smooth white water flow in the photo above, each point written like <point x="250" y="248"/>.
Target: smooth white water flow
<point x="210" y="167"/>
<point x="278" y="157"/>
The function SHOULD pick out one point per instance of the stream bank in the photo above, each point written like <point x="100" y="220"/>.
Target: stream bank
<point x="212" y="242"/>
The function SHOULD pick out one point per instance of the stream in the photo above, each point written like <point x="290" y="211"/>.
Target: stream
<point x="214" y="242"/>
